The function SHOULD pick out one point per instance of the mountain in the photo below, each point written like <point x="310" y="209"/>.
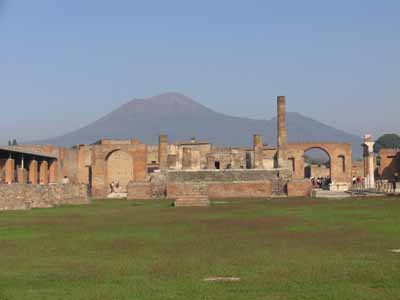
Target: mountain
<point x="182" y="118"/>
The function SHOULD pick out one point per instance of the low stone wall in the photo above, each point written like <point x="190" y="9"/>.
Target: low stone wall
<point x="139" y="191"/>
<point x="227" y="175"/>
<point x="188" y="194"/>
<point x="299" y="188"/>
<point x="248" y="189"/>
<point x="25" y="196"/>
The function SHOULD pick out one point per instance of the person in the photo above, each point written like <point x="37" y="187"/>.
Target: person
<point x="117" y="189"/>
<point x="354" y="180"/>
<point x="395" y="180"/>
<point x="112" y="187"/>
<point x="65" y="180"/>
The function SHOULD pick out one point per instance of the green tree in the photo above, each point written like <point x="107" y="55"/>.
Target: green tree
<point x="388" y="141"/>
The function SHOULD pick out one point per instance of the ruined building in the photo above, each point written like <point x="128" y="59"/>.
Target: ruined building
<point x="144" y="171"/>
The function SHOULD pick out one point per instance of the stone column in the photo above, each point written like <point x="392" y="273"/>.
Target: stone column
<point x="282" y="132"/>
<point x="211" y="162"/>
<point x="187" y="159"/>
<point x="53" y="171"/>
<point x="258" y="147"/>
<point x="163" y="152"/>
<point x="10" y="171"/>
<point x="21" y="175"/>
<point x="44" y="172"/>
<point x="369" y="161"/>
<point x="33" y="172"/>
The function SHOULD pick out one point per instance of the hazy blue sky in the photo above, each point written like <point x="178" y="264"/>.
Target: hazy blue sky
<point x="65" y="63"/>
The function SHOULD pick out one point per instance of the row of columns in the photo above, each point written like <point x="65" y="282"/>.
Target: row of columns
<point x="38" y="172"/>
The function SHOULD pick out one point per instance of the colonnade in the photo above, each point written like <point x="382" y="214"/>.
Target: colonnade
<point x="30" y="171"/>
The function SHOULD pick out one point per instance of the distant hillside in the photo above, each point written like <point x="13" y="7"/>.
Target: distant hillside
<point x="181" y="118"/>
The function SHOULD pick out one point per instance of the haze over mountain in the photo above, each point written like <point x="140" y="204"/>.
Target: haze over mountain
<point x="182" y="118"/>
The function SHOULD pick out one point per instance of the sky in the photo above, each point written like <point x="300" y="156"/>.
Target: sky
<point x="64" y="64"/>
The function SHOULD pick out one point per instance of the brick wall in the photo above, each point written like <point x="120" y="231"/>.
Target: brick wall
<point x="231" y="190"/>
<point x="24" y="196"/>
<point x="299" y="188"/>
<point x="188" y="194"/>
<point x="139" y="191"/>
<point x="226" y="175"/>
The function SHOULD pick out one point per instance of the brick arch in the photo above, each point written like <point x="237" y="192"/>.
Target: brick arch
<point x="119" y="167"/>
<point x="334" y="151"/>
<point x="323" y="150"/>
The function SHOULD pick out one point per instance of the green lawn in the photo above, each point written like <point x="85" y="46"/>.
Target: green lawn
<point x="280" y="249"/>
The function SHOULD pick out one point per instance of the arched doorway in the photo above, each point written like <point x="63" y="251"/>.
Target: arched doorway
<point x="317" y="166"/>
<point x="119" y="169"/>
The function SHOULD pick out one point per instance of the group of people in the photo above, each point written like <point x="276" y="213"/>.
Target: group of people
<point x="358" y="182"/>
<point x="321" y="182"/>
<point x="381" y="185"/>
<point x="114" y="187"/>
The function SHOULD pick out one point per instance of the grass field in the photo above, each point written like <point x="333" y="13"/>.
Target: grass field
<point x="280" y="249"/>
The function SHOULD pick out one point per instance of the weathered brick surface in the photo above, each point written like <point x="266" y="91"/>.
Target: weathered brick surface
<point x="340" y="170"/>
<point x="26" y="196"/>
<point x="249" y="189"/>
<point x="139" y="191"/>
<point x="226" y="175"/>
<point x="299" y="188"/>
<point x="188" y="194"/>
<point x="390" y="163"/>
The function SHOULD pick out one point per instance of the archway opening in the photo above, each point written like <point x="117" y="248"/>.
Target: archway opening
<point x="119" y="171"/>
<point x="317" y="167"/>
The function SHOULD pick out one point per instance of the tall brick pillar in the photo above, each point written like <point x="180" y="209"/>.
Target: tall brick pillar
<point x="258" y="147"/>
<point x="282" y="132"/>
<point x="53" y="171"/>
<point x="10" y="171"/>
<point x="33" y="172"/>
<point x="369" y="161"/>
<point x="21" y="175"/>
<point x="187" y="159"/>
<point x="44" y="172"/>
<point x="163" y="152"/>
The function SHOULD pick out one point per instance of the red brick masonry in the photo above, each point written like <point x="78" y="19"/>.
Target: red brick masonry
<point x="248" y="189"/>
<point x="299" y="188"/>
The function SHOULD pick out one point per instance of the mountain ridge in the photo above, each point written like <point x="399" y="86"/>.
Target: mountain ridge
<point x="182" y="118"/>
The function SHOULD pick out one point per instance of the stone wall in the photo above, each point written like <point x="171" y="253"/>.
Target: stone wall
<point x="232" y="190"/>
<point x="188" y="194"/>
<point x="389" y="163"/>
<point x="299" y="188"/>
<point x="224" y="184"/>
<point x="227" y="175"/>
<point x="24" y="196"/>
<point x="139" y="191"/>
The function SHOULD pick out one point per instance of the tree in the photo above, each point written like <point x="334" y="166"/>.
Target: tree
<point x="14" y="142"/>
<point x="388" y="141"/>
<point x="9" y="143"/>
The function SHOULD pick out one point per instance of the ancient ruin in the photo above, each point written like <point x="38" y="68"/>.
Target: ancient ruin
<point x="186" y="170"/>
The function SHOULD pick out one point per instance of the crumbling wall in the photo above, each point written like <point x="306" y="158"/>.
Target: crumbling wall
<point x="188" y="193"/>
<point x="236" y="190"/>
<point x="24" y="196"/>
<point x="227" y="175"/>
<point x="299" y="188"/>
